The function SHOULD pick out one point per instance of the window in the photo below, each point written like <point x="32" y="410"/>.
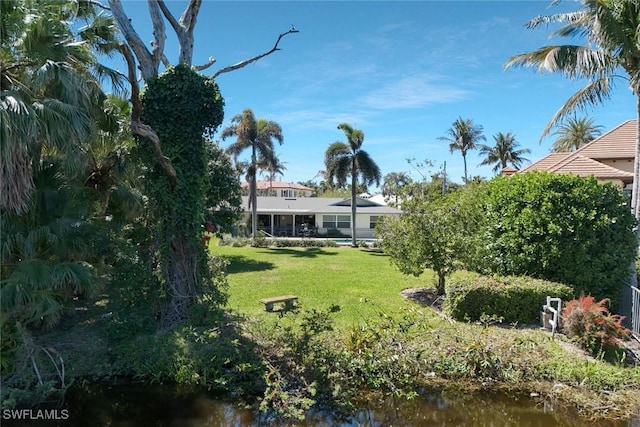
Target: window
<point x="287" y="193"/>
<point x="336" y="221"/>
<point x="328" y="221"/>
<point x="373" y="220"/>
<point x="344" y="221"/>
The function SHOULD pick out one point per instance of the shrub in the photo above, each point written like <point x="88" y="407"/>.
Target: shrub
<point x="562" y="228"/>
<point x="591" y="325"/>
<point x="515" y="299"/>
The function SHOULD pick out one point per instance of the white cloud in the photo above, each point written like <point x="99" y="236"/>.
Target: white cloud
<point x="413" y="92"/>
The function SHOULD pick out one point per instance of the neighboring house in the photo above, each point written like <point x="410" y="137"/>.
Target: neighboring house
<point x="307" y="216"/>
<point x="609" y="158"/>
<point x="280" y="189"/>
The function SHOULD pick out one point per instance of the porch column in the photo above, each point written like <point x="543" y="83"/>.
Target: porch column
<point x="272" y="218"/>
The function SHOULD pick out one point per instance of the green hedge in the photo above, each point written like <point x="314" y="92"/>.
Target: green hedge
<point x="514" y="298"/>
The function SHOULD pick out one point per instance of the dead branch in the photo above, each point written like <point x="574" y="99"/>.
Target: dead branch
<point x="209" y="63"/>
<point x="159" y="33"/>
<point x="145" y="58"/>
<point x="139" y="128"/>
<point x="183" y="28"/>
<point x="246" y="62"/>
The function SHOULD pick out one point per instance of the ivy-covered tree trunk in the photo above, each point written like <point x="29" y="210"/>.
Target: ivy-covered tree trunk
<point x="182" y="107"/>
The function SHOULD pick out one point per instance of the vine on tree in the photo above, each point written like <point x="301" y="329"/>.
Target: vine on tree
<point x="184" y="108"/>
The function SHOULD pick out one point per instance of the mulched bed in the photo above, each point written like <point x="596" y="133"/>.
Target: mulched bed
<point x="424" y="296"/>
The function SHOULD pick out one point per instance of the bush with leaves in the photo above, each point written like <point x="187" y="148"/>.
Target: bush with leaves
<point x="515" y="299"/>
<point x="562" y="228"/>
<point x="590" y="323"/>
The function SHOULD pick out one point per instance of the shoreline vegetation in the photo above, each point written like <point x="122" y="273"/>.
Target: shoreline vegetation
<point x="352" y="331"/>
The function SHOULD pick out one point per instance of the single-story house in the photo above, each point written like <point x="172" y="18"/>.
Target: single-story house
<point x="306" y="216"/>
<point x="609" y="157"/>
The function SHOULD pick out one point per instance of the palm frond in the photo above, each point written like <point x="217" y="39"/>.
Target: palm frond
<point x="594" y="93"/>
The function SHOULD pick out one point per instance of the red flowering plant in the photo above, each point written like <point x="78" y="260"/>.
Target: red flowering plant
<point x="590" y="323"/>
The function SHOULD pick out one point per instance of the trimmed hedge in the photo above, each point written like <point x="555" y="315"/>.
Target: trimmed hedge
<point x="514" y="298"/>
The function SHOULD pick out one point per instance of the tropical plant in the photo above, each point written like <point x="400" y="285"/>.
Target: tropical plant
<point x="394" y="183"/>
<point x="590" y="323"/>
<point x="505" y="152"/>
<point x="343" y="160"/>
<point x="257" y="135"/>
<point x="464" y="135"/>
<point x="609" y="29"/>
<point x="575" y="133"/>
<point x="49" y="83"/>
<point x="271" y="167"/>
<point x="45" y="252"/>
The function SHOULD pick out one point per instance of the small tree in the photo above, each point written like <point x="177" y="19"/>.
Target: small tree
<point x="429" y="236"/>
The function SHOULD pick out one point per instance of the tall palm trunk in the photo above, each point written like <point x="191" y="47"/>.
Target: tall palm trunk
<point x="253" y="195"/>
<point x="354" y="182"/>
<point x="464" y="160"/>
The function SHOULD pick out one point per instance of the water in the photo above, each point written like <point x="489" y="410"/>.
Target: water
<point x="132" y="406"/>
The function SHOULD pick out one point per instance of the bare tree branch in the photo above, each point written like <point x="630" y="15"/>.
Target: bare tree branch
<point x="167" y="14"/>
<point x="209" y="63"/>
<point x="133" y="40"/>
<point x="246" y="62"/>
<point x="188" y="18"/>
<point x="139" y="128"/>
<point x="159" y="33"/>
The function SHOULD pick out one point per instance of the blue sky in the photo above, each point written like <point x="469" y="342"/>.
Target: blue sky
<point x="401" y="71"/>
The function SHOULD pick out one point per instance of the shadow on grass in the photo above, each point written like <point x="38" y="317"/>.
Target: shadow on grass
<point x="242" y="264"/>
<point x="299" y="253"/>
<point x="376" y="252"/>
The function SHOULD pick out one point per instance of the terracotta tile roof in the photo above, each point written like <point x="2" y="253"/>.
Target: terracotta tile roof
<point x="546" y="162"/>
<point x="583" y="166"/>
<point x="276" y="185"/>
<point x="618" y="143"/>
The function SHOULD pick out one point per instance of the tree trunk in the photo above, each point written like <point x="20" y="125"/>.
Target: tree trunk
<point x="354" y="182"/>
<point x="440" y="286"/>
<point x="179" y="269"/>
<point x="254" y="198"/>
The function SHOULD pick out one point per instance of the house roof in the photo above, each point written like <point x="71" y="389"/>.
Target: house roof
<point x="278" y="185"/>
<point x="313" y="205"/>
<point x="583" y="166"/>
<point x="616" y="144"/>
<point x="546" y="162"/>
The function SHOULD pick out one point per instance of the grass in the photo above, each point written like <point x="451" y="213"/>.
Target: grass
<point x="361" y="282"/>
<point x="364" y="284"/>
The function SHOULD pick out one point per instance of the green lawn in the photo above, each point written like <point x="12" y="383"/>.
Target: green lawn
<point x="362" y="282"/>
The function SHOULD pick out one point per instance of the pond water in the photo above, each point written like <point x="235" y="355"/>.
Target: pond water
<point x="133" y="406"/>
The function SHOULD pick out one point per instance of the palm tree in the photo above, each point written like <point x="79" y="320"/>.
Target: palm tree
<point x="258" y="135"/>
<point x="504" y="152"/>
<point x="49" y="89"/>
<point x="393" y="184"/>
<point x="272" y="167"/>
<point x="463" y="136"/>
<point x="349" y="159"/>
<point x="609" y="28"/>
<point x="575" y="133"/>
